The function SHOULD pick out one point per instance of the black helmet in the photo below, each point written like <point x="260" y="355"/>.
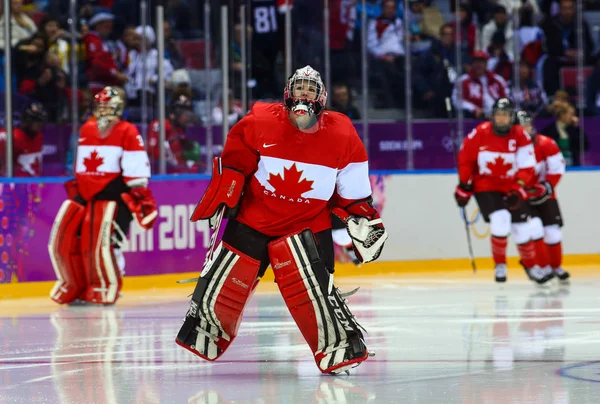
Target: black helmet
<point x="180" y="104"/>
<point x="503" y="104"/>
<point x="32" y="114"/>
<point x="525" y="118"/>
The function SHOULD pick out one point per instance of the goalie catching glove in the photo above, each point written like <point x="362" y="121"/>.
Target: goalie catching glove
<point x="143" y="206"/>
<point x="364" y="227"/>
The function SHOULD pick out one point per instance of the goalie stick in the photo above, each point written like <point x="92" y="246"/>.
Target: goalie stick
<point x="462" y="209"/>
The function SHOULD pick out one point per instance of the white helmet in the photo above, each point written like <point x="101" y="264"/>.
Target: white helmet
<point x="305" y="92"/>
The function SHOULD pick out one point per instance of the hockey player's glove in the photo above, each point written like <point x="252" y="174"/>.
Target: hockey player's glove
<point x="364" y="227"/>
<point x="539" y="193"/>
<point x="463" y="194"/>
<point x="143" y="206"/>
<point x="514" y="197"/>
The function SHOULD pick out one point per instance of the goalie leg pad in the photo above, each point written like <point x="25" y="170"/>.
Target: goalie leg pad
<point x="103" y="276"/>
<point x="65" y="253"/>
<point x="325" y="321"/>
<point x="218" y="302"/>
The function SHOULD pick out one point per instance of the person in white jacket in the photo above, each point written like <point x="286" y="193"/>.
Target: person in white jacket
<point x="21" y="26"/>
<point x="499" y="22"/>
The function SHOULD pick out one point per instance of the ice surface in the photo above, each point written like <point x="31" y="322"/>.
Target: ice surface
<point x="455" y="339"/>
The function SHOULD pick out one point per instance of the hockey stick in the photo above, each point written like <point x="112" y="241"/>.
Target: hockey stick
<point x="218" y="218"/>
<point x="462" y="209"/>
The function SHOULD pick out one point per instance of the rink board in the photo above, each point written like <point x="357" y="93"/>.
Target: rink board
<point x="426" y="230"/>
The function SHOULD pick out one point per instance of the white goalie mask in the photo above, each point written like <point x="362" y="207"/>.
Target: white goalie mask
<point x="108" y="107"/>
<point x="305" y="96"/>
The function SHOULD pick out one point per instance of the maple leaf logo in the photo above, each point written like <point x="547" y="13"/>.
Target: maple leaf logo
<point x="92" y="162"/>
<point x="499" y="167"/>
<point x="290" y="185"/>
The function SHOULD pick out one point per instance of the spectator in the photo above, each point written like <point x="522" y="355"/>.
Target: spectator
<point x="124" y="47"/>
<point x="29" y="58"/>
<point x="561" y="43"/>
<point x="468" y="31"/>
<point x="425" y="21"/>
<point x="341" y="101"/>
<point x="531" y="37"/>
<point x="236" y="65"/>
<point x="499" y="23"/>
<point x="436" y="72"/>
<point x="27" y="145"/>
<point x="480" y="89"/>
<point x="565" y="131"/>
<point x="21" y="26"/>
<point x="385" y="44"/>
<point x="499" y="62"/>
<point x="518" y="5"/>
<point x="101" y="67"/>
<point x="234" y="111"/>
<point x="138" y="84"/>
<point x="50" y="26"/>
<point x="530" y="96"/>
<point x="341" y="20"/>
<point x="171" y="50"/>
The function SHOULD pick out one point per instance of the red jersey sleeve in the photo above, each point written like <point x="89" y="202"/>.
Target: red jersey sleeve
<point x="467" y="157"/>
<point x="238" y="152"/>
<point x="555" y="162"/>
<point x="352" y="181"/>
<point x="134" y="163"/>
<point x="525" y="157"/>
<point x="153" y="140"/>
<point x="99" y="60"/>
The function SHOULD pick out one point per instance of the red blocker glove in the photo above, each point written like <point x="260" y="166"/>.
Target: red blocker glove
<point x="143" y="206"/>
<point x="514" y="197"/>
<point x="540" y="193"/>
<point x="463" y="194"/>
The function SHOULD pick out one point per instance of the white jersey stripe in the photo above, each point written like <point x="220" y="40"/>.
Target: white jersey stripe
<point x="135" y="164"/>
<point x="556" y="164"/>
<point x="106" y="159"/>
<point x="525" y="157"/>
<point x="353" y="181"/>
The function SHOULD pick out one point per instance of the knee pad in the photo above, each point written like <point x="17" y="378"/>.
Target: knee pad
<point x="65" y="253"/>
<point x="521" y="232"/>
<point x="218" y="302"/>
<point x="500" y="223"/>
<point x="316" y="305"/>
<point x="536" y="228"/>
<point x="102" y="273"/>
<point x="552" y="234"/>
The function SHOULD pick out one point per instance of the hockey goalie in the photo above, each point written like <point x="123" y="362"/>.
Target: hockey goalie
<point x="109" y="190"/>
<point x="284" y="169"/>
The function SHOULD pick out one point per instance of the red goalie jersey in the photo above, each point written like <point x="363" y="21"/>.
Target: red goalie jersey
<point x="292" y="175"/>
<point x="102" y="160"/>
<point x="492" y="162"/>
<point x="550" y="162"/>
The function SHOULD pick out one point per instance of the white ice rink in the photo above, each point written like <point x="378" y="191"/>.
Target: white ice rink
<point x="438" y="338"/>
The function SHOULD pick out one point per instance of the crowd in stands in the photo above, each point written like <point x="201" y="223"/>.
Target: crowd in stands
<point x="113" y="48"/>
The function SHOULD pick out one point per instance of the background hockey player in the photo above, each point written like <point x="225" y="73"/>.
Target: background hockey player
<point x="292" y="162"/>
<point x="183" y="154"/>
<point x="111" y="178"/>
<point x="547" y="219"/>
<point x="495" y="163"/>
<point x="28" y="143"/>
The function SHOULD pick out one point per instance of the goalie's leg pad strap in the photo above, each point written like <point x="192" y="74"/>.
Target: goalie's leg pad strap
<point x="325" y="321"/>
<point x="103" y="276"/>
<point x="65" y="253"/>
<point x="218" y="302"/>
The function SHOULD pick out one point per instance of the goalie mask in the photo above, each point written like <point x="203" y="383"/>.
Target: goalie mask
<point x="305" y="97"/>
<point x="108" y="107"/>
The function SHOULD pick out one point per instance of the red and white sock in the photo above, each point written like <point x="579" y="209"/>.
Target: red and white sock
<point x="541" y="253"/>
<point x="555" y="254"/>
<point x="499" y="249"/>
<point x="527" y="253"/>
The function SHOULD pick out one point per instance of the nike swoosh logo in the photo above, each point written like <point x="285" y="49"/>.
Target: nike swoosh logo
<point x="266" y="146"/>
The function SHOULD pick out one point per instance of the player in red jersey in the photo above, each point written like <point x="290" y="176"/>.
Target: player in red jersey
<point x="28" y="143"/>
<point x="294" y="164"/>
<point x="547" y="218"/>
<point x="495" y="163"/>
<point x="183" y="155"/>
<point x="109" y="189"/>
